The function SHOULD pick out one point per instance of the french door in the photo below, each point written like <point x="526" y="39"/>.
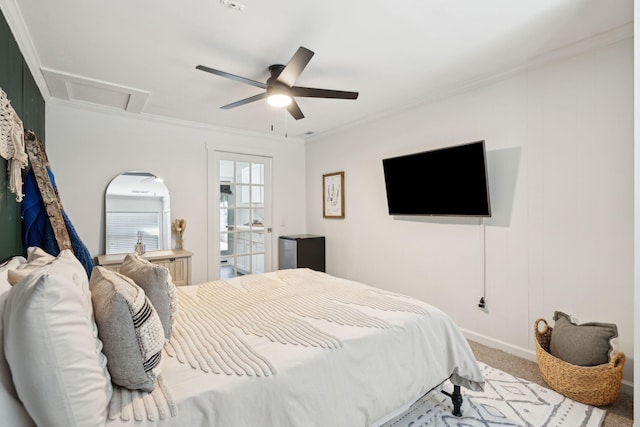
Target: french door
<point x="243" y="207"/>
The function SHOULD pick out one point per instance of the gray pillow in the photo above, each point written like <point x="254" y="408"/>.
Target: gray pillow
<point x="129" y="327"/>
<point x="157" y="284"/>
<point x="587" y="344"/>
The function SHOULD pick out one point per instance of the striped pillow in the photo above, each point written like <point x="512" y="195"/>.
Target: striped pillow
<point x="157" y="284"/>
<point x="129" y="327"/>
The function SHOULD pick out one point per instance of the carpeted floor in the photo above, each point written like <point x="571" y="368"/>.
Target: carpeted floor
<point x="619" y="413"/>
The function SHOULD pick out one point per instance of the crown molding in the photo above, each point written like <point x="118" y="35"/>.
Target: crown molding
<point x="15" y="21"/>
<point x="152" y="118"/>
<point x="596" y="41"/>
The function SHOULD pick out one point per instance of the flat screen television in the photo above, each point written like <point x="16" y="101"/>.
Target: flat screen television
<point x="447" y="181"/>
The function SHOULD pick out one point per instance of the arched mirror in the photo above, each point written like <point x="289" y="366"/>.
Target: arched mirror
<point x="137" y="204"/>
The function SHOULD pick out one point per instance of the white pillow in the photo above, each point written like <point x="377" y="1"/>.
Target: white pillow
<point x="130" y="329"/>
<point x="52" y="346"/>
<point x="36" y="255"/>
<point x="13" y="413"/>
<point x="36" y="258"/>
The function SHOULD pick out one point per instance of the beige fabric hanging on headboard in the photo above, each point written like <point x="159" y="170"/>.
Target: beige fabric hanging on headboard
<point x="12" y="145"/>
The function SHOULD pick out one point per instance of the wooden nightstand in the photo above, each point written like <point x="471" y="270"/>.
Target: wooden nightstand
<point x="178" y="261"/>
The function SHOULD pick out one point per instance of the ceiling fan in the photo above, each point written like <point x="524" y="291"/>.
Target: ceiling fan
<point x="279" y="88"/>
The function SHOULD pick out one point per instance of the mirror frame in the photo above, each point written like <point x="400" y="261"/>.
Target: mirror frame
<point x="131" y="198"/>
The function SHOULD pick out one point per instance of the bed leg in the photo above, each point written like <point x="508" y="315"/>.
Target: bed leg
<point x="456" y="399"/>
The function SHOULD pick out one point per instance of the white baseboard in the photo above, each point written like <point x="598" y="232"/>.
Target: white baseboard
<point x="626" y="386"/>
<point x="524" y="353"/>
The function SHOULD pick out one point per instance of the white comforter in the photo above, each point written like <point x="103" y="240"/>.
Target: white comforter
<point x="372" y="372"/>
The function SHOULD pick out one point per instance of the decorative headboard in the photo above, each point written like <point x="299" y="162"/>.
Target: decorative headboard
<point x="18" y="83"/>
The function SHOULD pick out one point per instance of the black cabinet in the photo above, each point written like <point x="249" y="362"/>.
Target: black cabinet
<point x="304" y="250"/>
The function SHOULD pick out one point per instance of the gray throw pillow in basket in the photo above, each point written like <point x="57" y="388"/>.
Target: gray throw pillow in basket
<point x="586" y="344"/>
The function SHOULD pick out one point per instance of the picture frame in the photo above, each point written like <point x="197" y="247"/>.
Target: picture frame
<point x="333" y="195"/>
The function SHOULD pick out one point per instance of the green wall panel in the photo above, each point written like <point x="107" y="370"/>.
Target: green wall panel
<point x="33" y="105"/>
<point x="26" y="99"/>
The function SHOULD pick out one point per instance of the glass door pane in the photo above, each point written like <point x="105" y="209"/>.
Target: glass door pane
<point x="244" y="238"/>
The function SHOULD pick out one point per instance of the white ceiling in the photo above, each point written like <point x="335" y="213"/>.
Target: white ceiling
<point x="140" y="56"/>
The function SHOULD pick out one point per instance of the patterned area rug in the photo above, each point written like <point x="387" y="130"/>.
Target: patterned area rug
<point x="506" y="401"/>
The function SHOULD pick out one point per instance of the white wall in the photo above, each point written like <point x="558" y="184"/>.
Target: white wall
<point x="560" y="159"/>
<point x="88" y="147"/>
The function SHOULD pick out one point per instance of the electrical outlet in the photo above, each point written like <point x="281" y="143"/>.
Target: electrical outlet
<point x="482" y="304"/>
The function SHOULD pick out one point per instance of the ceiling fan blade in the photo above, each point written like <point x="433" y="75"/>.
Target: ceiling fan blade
<point x="232" y="76"/>
<point x="244" y="101"/>
<point x="310" y="92"/>
<point x="295" y="110"/>
<point x="296" y="65"/>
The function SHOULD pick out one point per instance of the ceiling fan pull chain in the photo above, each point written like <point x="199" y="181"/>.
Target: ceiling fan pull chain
<point x="286" y="123"/>
<point x="271" y="115"/>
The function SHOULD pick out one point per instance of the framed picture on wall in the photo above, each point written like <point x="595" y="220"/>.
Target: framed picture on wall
<point x="333" y="195"/>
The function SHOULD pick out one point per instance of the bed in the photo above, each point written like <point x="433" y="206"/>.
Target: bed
<point x="287" y="348"/>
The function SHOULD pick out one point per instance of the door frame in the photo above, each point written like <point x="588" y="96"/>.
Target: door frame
<point x="213" y="211"/>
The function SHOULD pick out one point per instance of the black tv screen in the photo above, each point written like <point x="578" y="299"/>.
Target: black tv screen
<point x="447" y="181"/>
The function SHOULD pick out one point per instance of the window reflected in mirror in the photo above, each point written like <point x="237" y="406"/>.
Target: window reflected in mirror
<point x="137" y="204"/>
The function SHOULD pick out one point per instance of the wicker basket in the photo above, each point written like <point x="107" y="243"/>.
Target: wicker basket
<point x="593" y="385"/>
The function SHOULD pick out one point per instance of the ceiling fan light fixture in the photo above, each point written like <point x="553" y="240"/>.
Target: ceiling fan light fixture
<point x="279" y="87"/>
<point x="279" y="100"/>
